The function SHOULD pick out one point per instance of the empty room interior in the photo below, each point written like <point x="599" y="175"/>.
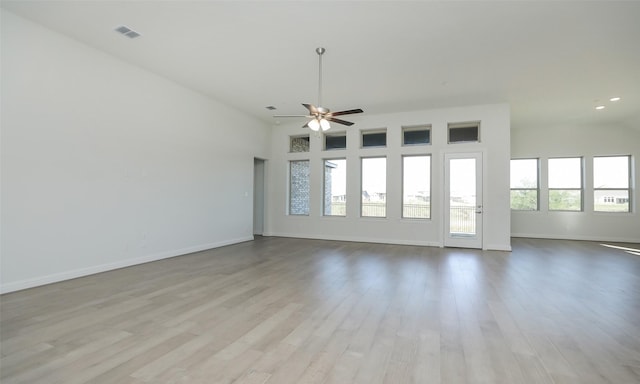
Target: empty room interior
<point x="320" y="192"/>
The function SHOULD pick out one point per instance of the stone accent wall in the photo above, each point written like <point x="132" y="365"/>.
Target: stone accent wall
<point x="300" y="187"/>
<point x="299" y="144"/>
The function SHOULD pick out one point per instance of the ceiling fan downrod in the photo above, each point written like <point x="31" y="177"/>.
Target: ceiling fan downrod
<point x="321" y="116"/>
<point x="320" y="51"/>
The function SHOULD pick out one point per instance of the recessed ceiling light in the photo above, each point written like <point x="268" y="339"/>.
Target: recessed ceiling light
<point x="614" y="99"/>
<point x="600" y="107"/>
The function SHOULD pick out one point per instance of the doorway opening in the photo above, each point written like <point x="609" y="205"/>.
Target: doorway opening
<point x="258" y="196"/>
<point x="463" y="200"/>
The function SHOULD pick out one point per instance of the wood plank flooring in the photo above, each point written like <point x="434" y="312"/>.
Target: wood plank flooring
<point x="279" y="310"/>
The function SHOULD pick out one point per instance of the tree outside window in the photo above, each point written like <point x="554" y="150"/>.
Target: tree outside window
<point x="524" y="184"/>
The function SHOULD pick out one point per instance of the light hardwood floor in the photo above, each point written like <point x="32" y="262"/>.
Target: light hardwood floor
<point x="280" y="310"/>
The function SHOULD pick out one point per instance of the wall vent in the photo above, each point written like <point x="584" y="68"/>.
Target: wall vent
<point x="130" y="33"/>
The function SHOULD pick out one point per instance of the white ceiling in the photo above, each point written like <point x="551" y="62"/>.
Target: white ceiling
<point x="552" y="61"/>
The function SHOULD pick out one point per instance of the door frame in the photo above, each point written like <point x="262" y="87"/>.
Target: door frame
<point x="476" y="241"/>
<point x="259" y="195"/>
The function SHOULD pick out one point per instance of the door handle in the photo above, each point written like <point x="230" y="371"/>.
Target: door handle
<point x="479" y="209"/>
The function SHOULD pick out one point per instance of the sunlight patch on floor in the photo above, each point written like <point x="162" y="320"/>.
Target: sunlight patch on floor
<point x="633" y="251"/>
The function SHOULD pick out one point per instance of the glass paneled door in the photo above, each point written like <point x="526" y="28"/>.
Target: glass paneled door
<point x="463" y="200"/>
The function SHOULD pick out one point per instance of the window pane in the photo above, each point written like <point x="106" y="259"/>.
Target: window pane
<point x="299" y="188"/>
<point x="335" y="142"/>
<point x="565" y="200"/>
<point x="299" y="144"/>
<point x="415" y="136"/>
<point x="565" y="173"/>
<point x="416" y="187"/>
<point x="524" y="173"/>
<point x="524" y="199"/>
<point x="611" y="172"/>
<point x="462" y="197"/>
<point x="464" y="132"/>
<point x="378" y="139"/>
<point x="374" y="187"/>
<point x="611" y="200"/>
<point x="335" y="187"/>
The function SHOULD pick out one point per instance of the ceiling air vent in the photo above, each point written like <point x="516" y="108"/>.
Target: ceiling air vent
<point x="130" y="33"/>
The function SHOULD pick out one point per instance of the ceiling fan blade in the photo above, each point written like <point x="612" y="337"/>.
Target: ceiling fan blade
<point x="292" y="116"/>
<point x="349" y="112"/>
<point x="343" y="122"/>
<point x="312" y="109"/>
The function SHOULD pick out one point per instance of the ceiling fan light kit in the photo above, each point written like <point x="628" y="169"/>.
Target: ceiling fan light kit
<point x="321" y="116"/>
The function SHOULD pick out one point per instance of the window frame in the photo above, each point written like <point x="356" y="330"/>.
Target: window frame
<point x="362" y="160"/>
<point x="416" y="128"/>
<point x="324" y="187"/>
<point x="366" y="132"/>
<point x="304" y="136"/>
<point x="334" y="134"/>
<point x="628" y="189"/>
<point x="466" y="124"/>
<point x="402" y="202"/>
<point x="580" y="189"/>
<point x="536" y="189"/>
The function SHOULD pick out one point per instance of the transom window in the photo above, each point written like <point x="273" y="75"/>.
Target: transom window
<point x="377" y="138"/>
<point x="468" y="132"/>
<point x="299" y="143"/>
<point x="335" y="141"/>
<point x="416" y="135"/>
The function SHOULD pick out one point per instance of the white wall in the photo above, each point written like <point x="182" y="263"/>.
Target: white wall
<point x="106" y="165"/>
<point x="584" y="141"/>
<point x="495" y="120"/>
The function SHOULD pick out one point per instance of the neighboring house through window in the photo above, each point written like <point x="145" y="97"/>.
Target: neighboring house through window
<point x="611" y="183"/>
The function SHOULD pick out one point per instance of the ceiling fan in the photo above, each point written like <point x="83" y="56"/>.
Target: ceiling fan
<point x="320" y="116"/>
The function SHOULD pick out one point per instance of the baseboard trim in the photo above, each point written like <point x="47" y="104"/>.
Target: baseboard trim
<point x="494" y="247"/>
<point x="575" y="237"/>
<point x="82" y="272"/>
<point x="358" y="239"/>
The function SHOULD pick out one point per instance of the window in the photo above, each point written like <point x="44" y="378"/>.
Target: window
<point x="416" y="187"/>
<point x="611" y="184"/>
<point x="418" y="135"/>
<point x="299" y="187"/>
<point x="374" y="139"/>
<point x="374" y="187"/>
<point x="464" y="132"/>
<point x="299" y="143"/>
<point x="335" y="187"/>
<point x="524" y="184"/>
<point x="565" y="184"/>
<point x="335" y="141"/>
